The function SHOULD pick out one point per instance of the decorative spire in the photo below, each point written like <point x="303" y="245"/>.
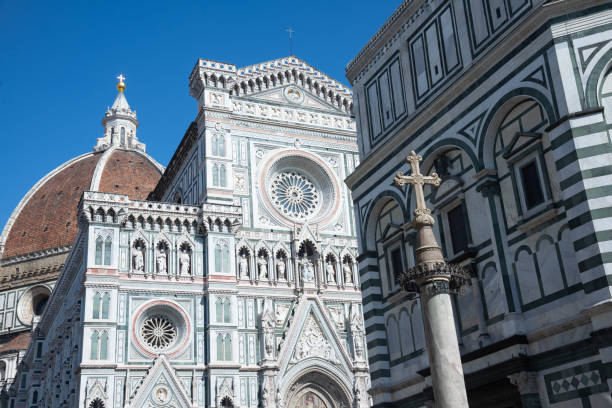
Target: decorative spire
<point x="120" y="123"/>
<point x="121" y="84"/>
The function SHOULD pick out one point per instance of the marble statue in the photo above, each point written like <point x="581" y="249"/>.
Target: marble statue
<point x="331" y="272"/>
<point x="184" y="261"/>
<point x="138" y="260"/>
<point x="281" y="269"/>
<point x="161" y="262"/>
<point x="307" y="270"/>
<point x="243" y="266"/>
<point x="262" y="263"/>
<point x="348" y="273"/>
<point x="267" y="326"/>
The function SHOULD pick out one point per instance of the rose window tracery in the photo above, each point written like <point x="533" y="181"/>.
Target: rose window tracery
<point x="158" y="332"/>
<point x="294" y="195"/>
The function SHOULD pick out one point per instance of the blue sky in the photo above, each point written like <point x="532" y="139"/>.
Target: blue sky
<point x="59" y="60"/>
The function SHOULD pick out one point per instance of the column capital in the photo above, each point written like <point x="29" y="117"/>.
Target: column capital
<point x="489" y="187"/>
<point x="422" y="275"/>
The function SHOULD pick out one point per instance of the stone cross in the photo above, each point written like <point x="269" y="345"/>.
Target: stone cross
<point x="290" y="31"/>
<point x="418" y="181"/>
<point x="121" y="78"/>
<point x="434" y="279"/>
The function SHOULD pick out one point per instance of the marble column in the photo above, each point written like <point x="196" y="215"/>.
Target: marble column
<point x="434" y="279"/>
<point x="527" y="384"/>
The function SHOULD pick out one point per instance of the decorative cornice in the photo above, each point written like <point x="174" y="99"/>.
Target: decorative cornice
<point x="268" y="75"/>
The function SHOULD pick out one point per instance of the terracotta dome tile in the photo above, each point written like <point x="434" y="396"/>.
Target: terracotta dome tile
<point x="129" y="172"/>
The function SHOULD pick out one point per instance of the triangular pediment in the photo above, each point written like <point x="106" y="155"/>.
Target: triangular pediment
<point x="294" y="95"/>
<point x="313" y="337"/>
<point x="161" y="387"/>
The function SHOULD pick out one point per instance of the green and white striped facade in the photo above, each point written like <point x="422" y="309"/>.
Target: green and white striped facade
<point x="481" y="89"/>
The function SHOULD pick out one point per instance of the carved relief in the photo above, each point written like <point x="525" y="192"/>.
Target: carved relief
<point x="313" y="343"/>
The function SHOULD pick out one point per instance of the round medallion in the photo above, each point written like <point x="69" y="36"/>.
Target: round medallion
<point x="293" y="94"/>
<point x="161" y="395"/>
<point x="294" y="195"/>
<point x="158" y="332"/>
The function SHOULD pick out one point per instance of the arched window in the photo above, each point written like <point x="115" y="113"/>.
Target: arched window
<point x="215" y="148"/>
<point x="122" y="136"/>
<point x="105" y="305"/>
<point x="108" y="243"/>
<point x="218" y="258"/>
<point x="99" y="243"/>
<point x="34" y="397"/>
<point x="223" y="176"/>
<point x="94" y="345"/>
<point x="96" y="306"/>
<point x="606" y="96"/>
<point x="226" y="311"/>
<point x="215" y="171"/>
<point x="219" y="310"/>
<point x="221" y="146"/>
<point x="219" y="347"/>
<point x="226" y="266"/>
<point x="228" y="347"/>
<point x="103" y="345"/>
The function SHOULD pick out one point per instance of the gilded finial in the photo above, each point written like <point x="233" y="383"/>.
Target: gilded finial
<point x="121" y="84"/>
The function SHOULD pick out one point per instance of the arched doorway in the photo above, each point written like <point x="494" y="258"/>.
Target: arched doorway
<point x="316" y="390"/>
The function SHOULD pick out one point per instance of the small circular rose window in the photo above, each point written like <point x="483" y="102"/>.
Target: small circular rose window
<point x="161" y="327"/>
<point x="158" y="332"/>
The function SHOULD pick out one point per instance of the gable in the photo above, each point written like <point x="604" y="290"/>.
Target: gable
<point x="161" y="387"/>
<point x="297" y="96"/>
<point x="313" y="338"/>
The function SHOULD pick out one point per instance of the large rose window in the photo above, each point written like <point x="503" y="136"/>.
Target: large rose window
<point x="294" y="195"/>
<point x="158" y="332"/>
<point x="299" y="188"/>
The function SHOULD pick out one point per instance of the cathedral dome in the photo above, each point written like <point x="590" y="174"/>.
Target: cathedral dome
<point x="46" y="217"/>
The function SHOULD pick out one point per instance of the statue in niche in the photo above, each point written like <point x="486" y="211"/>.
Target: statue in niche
<point x="162" y="261"/>
<point x="358" y="343"/>
<point x="281" y="268"/>
<point x="307" y="270"/>
<point x="184" y="261"/>
<point x="348" y="273"/>
<point x="138" y="259"/>
<point x="331" y="272"/>
<point x="262" y="264"/>
<point x="268" y="325"/>
<point x="243" y="266"/>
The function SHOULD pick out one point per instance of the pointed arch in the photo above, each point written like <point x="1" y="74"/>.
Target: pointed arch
<point x="93" y="341"/>
<point x="108" y="245"/>
<point x="220" y="347"/>
<point x="96" y="306"/>
<point x="105" y="305"/>
<point x="222" y="176"/>
<point x="104" y="345"/>
<point x="215" y="172"/>
<point x="99" y="244"/>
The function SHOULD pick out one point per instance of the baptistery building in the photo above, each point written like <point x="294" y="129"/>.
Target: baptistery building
<point x="509" y="102"/>
<point x="229" y="281"/>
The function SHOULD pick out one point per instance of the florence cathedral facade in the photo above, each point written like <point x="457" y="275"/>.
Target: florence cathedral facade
<point x="227" y="279"/>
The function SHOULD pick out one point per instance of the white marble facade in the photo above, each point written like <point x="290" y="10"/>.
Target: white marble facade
<point x="237" y="284"/>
